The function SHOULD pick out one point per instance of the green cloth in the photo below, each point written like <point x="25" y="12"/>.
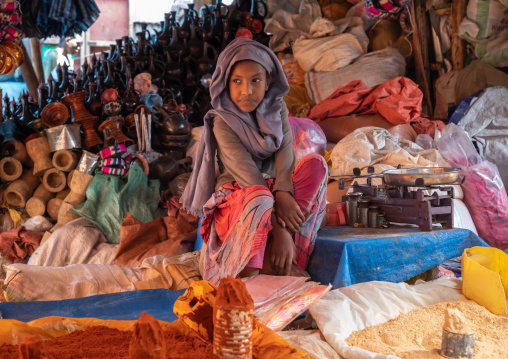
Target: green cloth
<point x="109" y="198"/>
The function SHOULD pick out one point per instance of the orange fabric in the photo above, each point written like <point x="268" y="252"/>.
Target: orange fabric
<point x="167" y="236"/>
<point x="19" y="243"/>
<point x="398" y="100"/>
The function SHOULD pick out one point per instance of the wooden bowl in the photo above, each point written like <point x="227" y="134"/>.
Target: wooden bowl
<point x="55" y="114"/>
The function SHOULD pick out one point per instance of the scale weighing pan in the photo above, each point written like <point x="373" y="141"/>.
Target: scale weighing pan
<point x="423" y="176"/>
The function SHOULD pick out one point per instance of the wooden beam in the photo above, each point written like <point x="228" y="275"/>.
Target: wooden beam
<point x="27" y="70"/>
<point x="459" y="8"/>
<point x="35" y="45"/>
<point x="421" y="47"/>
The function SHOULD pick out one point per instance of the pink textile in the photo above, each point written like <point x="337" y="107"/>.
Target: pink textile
<point x="257" y="260"/>
<point x="398" y="100"/>
<point x="236" y="221"/>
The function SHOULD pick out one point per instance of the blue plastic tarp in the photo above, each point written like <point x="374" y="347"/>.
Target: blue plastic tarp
<point x="115" y="306"/>
<point x="344" y="255"/>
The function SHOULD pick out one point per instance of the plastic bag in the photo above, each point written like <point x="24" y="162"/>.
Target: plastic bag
<point x="296" y="306"/>
<point x="298" y="101"/>
<point x="484" y="193"/>
<point x="308" y="137"/>
<point x="271" y="291"/>
<point x="292" y="70"/>
<point x="37" y="224"/>
<point x="425" y="141"/>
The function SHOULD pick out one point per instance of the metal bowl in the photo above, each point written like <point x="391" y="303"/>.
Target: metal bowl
<point x="429" y="175"/>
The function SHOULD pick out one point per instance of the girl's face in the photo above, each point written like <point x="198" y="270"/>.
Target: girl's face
<point x="248" y="82"/>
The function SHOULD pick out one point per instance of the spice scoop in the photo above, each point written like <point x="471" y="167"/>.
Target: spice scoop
<point x="458" y="339"/>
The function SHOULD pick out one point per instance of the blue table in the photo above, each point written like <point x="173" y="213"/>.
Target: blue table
<point x="344" y="255"/>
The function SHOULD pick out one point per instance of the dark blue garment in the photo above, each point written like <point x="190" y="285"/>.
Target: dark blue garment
<point x="458" y="112"/>
<point x="64" y="18"/>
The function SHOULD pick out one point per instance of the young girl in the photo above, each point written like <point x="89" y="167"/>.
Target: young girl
<point x="260" y="213"/>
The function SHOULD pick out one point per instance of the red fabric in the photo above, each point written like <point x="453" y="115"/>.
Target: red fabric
<point x="19" y="243"/>
<point x="423" y="125"/>
<point x="399" y="100"/>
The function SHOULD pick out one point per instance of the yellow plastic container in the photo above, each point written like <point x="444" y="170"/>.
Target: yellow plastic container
<point x="485" y="277"/>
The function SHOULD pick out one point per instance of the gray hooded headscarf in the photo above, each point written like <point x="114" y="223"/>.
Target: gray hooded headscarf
<point x="261" y="135"/>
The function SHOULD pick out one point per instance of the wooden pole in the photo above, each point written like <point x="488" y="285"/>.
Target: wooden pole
<point x="37" y="59"/>
<point x="459" y="8"/>
<point x="27" y="70"/>
<point x="420" y="45"/>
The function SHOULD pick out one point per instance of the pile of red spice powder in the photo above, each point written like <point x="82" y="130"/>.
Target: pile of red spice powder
<point x="104" y="342"/>
<point x="233" y="292"/>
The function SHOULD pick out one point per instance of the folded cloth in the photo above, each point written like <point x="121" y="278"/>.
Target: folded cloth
<point x="167" y="236"/>
<point x="19" y="243"/>
<point x="399" y="100"/>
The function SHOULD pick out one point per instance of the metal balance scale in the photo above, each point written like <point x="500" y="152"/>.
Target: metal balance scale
<point x="403" y="196"/>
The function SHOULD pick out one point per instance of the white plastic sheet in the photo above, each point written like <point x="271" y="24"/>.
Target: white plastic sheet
<point x="342" y="311"/>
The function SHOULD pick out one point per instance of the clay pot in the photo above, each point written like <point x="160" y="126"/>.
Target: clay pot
<point x="148" y="339"/>
<point x="36" y="206"/>
<point x="114" y="124"/>
<point x="65" y="160"/>
<point x="177" y="185"/>
<point x="79" y="184"/>
<point x="62" y="194"/>
<point x="166" y="168"/>
<point x="54" y="180"/>
<point x="10" y="169"/>
<point x="38" y="150"/>
<point x="19" y="192"/>
<point x="93" y="104"/>
<point x="53" y="207"/>
<point x="69" y="178"/>
<point x="89" y="132"/>
<point x="55" y="114"/>
<point x="76" y="101"/>
<point x="17" y="150"/>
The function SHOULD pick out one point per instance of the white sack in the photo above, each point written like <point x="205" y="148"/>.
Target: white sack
<point x="310" y="342"/>
<point x="461" y="216"/>
<point x="343" y="311"/>
<point x="286" y="27"/>
<point x="347" y="42"/>
<point x="486" y="27"/>
<point x="76" y="242"/>
<point x="373" y="69"/>
<point x="34" y="283"/>
<point x="486" y="122"/>
<point x="374" y="146"/>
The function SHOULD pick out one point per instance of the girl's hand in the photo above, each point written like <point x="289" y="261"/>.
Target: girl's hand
<point x="282" y="250"/>
<point x="288" y="212"/>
